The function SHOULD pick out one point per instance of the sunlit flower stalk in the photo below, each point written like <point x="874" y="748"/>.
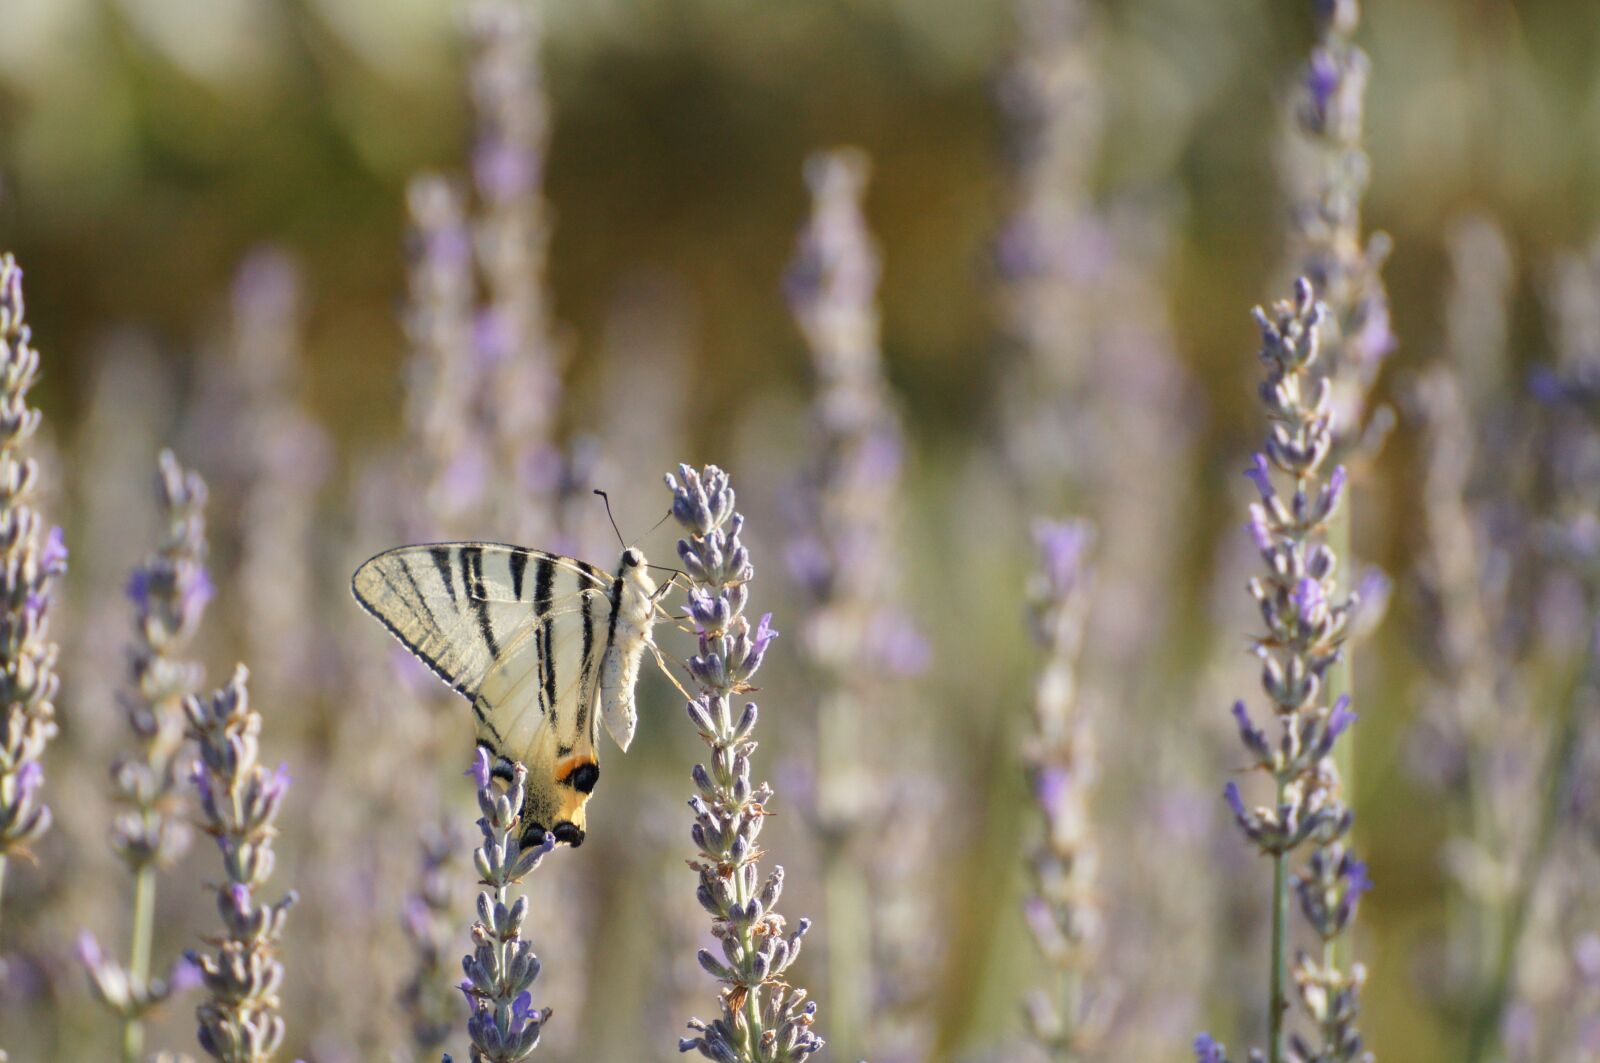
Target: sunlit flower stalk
<point x="764" y="1019"/>
<point x="1564" y="844"/>
<point x="32" y="555"/>
<point x="169" y="592"/>
<point x="1305" y="632"/>
<point x="1345" y="273"/>
<point x="1068" y="1018"/>
<point x="288" y="455"/>
<point x="448" y="449"/>
<point x="504" y="1026"/>
<point x="513" y="331"/>
<point x="1478" y="742"/>
<point x="1052" y="247"/>
<point x="843" y="558"/>
<point x="1328" y="242"/>
<point x="239" y="803"/>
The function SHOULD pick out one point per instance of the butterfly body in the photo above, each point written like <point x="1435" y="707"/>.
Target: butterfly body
<point x="544" y="647"/>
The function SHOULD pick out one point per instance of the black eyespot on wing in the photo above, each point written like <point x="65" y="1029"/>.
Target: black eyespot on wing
<point x="532" y="835"/>
<point x="584" y="777"/>
<point x="569" y="833"/>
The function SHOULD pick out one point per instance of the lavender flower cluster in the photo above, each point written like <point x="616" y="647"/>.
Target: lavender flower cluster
<point x="240" y="1021"/>
<point x="764" y="1019"/>
<point x="504" y="1026"/>
<point x="1345" y="274"/>
<point x="169" y="593"/>
<point x="32" y="557"/>
<point x="1305" y="632"/>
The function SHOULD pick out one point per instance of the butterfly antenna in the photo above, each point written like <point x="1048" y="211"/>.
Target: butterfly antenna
<point x="653" y="527"/>
<point x="607" y="500"/>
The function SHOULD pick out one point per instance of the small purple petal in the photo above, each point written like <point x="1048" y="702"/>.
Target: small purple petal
<point x="54" y="555"/>
<point x="480" y="770"/>
<point x="1230" y="794"/>
<point x="185" y="975"/>
<point x="1340" y="719"/>
<point x="88" y="950"/>
<point x="1259" y="475"/>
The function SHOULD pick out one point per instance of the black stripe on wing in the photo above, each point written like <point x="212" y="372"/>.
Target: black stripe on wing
<point x="416" y="651"/>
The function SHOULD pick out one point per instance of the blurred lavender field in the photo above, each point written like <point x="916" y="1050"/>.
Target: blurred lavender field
<point x="958" y="294"/>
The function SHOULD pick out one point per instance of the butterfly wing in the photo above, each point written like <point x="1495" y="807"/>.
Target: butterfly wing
<point x="520" y="633"/>
<point x="457" y="606"/>
<point x="537" y="705"/>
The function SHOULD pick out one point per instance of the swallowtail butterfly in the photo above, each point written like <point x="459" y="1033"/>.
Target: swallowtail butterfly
<point x="544" y="647"/>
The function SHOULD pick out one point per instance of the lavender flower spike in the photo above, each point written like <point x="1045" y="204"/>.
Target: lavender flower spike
<point x="31" y="557"/>
<point x="1305" y="633"/>
<point x="764" y="1019"/>
<point x="169" y="592"/>
<point x="1068" y="1019"/>
<point x="1346" y="275"/>
<point x="239" y="802"/>
<point x="504" y="1026"/>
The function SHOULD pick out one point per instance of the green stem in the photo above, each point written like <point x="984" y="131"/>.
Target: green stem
<point x="1278" y="998"/>
<point x="2" y="876"/>
<point x="849" y="958"/>
<point x="1277" y="990"/>
<point x="1484" y="1032"/>
<point x="144" y="909"/>
<point x="1071" y="999"/>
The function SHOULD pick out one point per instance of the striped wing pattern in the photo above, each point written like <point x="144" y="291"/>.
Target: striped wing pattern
<point x="521" y="634"/>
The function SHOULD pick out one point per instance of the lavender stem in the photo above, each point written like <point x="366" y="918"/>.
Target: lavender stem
<point x="144" y="918"/>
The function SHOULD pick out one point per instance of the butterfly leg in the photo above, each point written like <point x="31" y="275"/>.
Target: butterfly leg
<point x="661" y="662"/>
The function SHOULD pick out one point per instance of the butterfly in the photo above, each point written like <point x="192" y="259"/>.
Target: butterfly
<point x="545" y="648"/>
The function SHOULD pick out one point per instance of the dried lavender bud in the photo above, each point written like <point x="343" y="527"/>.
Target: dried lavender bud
<point x="31" y="557"/>
<point x="504" y="1026"/>
<point x="764" y="1019"/>
<point x="239" y="803"/>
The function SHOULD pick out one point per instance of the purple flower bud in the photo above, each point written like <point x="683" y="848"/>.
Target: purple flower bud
<point x="1208" y="1050"/>
<point x="185" y="975"/>
<point x="480" y="770"/>
<point x="88" y="950"/>
<point x="1308" y="600"/>
<point x="29" y="778"/>
<point x="139" y="589"/>
<point x="1230" y="794"/>
<point x="53" y="557"/>
<point x="1340" y="719"/>
<point x="1050" y="786"/>
<point x="764" y="635"/>
<point x="522" y="1008"/>
<point x="1259" y="475"/>
<point x="1322" y="79"/>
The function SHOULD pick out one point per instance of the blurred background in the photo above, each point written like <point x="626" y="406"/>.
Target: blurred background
<point x="210" y="201"/>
